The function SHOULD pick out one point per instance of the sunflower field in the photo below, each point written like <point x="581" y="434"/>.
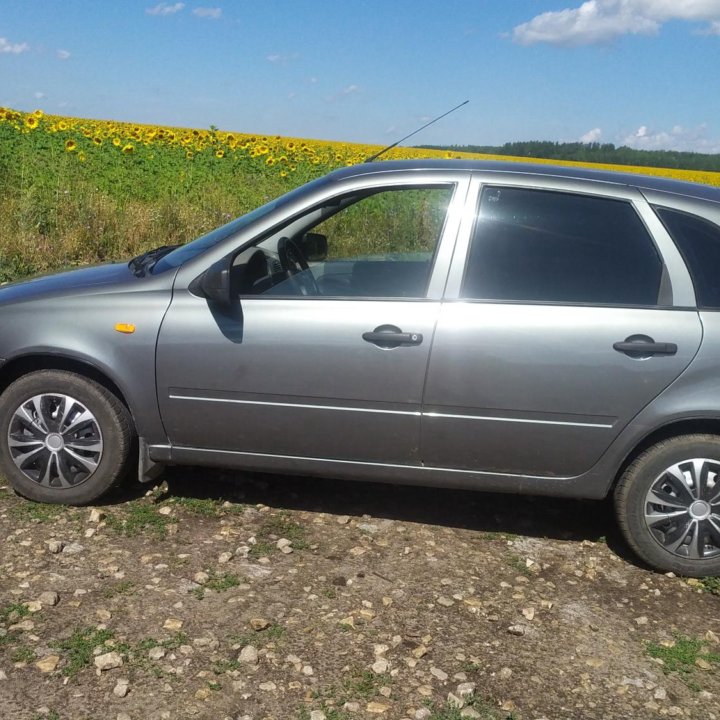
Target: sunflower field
<point x="76" y="191"/>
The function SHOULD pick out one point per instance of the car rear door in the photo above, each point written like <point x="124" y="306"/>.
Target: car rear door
<point x="332" y="367"/>
<point x="568" y="309"/>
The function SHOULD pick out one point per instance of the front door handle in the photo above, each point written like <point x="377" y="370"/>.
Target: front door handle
<point x="391" y="336"/>
<point x="644" y="346"/>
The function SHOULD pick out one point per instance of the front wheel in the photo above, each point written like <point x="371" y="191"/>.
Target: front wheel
<point x="63" y="438"/>
<point x="668" y="505"/>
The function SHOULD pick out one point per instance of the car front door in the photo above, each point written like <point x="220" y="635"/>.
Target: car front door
<point x="322" y="355"/>
<point x="568" y="310"/>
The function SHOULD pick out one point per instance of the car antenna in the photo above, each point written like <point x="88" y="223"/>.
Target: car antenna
<point x="390" y="147"/>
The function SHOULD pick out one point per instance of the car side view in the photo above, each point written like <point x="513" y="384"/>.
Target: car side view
<point x="497" y="326"/>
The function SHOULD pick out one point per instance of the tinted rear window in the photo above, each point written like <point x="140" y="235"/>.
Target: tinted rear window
<point x="542" y="246"/>
<point x="699" y="242"/>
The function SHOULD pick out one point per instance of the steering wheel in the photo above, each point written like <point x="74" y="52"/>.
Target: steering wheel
<point x="296" y="268"/>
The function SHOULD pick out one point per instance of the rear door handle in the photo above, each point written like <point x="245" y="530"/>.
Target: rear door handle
<point x="392" y="337"/>
<point x="642" y="345"/>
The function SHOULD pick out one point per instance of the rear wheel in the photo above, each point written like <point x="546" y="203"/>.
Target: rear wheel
<point x="63" y="438"/>
<point x="668" y="505"/>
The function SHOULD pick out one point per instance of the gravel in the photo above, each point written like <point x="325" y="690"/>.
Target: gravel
<point x="244" y="597"/>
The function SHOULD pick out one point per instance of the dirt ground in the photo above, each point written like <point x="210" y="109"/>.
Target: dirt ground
<point x="220" y="595"/>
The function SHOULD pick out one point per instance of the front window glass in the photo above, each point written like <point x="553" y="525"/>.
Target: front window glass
<point x="378" y="243"/>
<point x="192" y="249"/>
<point x="542" y="246"/>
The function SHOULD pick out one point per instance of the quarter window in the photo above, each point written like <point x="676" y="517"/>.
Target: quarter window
<point x="699" y="243"/>
<point x="544" y="246"/>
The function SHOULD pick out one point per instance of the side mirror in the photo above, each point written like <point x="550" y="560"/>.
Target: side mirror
<point x="215" y="283"/>
<point x="314" y="246"/>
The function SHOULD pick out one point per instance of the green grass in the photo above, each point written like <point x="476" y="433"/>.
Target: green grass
<point x="711" y="585"/>
<point x="79" y="647"/>
<point x="449" y="711"/>
<point x="681" y="657"/>
<point x="218" y="583"/>
<point x="23" y="654"/>
<point x="125" y="587"/>
<point x="16" y="610"/>
<point x="200" y="506"/>
<point x="274" y="528"/>
<point x="37" y="512"/>
<point x="51" y="715"/>
<point x="138" y="518"/>
<point x="517" y="563"/>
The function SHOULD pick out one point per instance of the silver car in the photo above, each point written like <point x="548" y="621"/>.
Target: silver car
<point x="498" y="326"/>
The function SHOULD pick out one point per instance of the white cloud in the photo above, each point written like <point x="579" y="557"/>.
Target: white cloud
<point x="677" y="138"/>
<point x="165" y="9"/>
<point x="712" y="29"/>
<point x="13" y="48"/>
<point x="591" y="136"/>
<point x="208" y="13"/>
<point x="600" y="21"/>
<point x="63" y="54"/>
<point x="350" y="89"/>
<point x="39" y="95"/>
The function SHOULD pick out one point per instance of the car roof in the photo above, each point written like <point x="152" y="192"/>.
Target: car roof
<point x="637" y="180"/>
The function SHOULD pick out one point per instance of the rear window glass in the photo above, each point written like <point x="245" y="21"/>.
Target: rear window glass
<point x="543" y="246"/>
<point x="699" y="243"/>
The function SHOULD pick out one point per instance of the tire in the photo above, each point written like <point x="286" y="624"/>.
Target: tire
<point x="667" y="504"/>
<point x="63" y="438"/>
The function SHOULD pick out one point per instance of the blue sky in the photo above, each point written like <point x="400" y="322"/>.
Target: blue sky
<point x="636" y="72"/>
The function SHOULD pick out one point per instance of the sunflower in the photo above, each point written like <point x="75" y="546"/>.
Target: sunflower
<point x="128" y="149"/>
<point x="70" y="145"/>
<point x="97" y="140"/>
<point x="117" y="141"/>
<point x="219" y="153"/>
<point x="31" y="122"/>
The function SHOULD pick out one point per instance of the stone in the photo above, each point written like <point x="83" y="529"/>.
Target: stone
<point x="55" y="546"/>
<point x="48" y="663"/>
<point x="259" y="624"/>
<point x="73" y="549"/>
<point x="249" y="655"/>
<point x="505" y="673"/>
<point x="122" y="687"/>
<point x="380" y="666"/>
<point x="470" y="712"/>
<point x="173" y="624"/>
<point x="201" y="577"/>
<point x="108" y="661"/>
<point x="712" y="637"/>
<point x="33" y="606"/>
<point x="49" y="598"/>
<point x="376" y="707"/>
<point x="284" y="545"/>
<point x="518" y="630"/>
<point x="528" y="613"/>
<point x="660" y="693"/>
<point x="317" y="715"/>
<point x="268" y="686"/>
<point x="439" y="674"/>
<point x="165" y="510"/>
<point x="445" y="601"/>
<point x="96" y="516"/>
<point x="465" y="689"/>
<point x="225" y="557"/>
<point x="157" y="653"/>
<point x="419" y="651"/>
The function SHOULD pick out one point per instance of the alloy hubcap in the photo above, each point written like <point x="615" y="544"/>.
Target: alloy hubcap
<point x="55" y="441"/>
<point x="682" y="509"/>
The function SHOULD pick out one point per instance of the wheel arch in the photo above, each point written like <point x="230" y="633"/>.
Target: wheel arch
<point x="24" y="364"/>
<point x="674" y="428"/>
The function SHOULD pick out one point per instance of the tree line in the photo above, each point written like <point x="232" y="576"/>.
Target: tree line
<point x="594" y="153"/>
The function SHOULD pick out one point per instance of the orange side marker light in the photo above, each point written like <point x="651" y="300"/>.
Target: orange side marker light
<point x="126" y="328"/>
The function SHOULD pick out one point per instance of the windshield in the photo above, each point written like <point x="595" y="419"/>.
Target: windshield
<point x="192" y="249"/>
